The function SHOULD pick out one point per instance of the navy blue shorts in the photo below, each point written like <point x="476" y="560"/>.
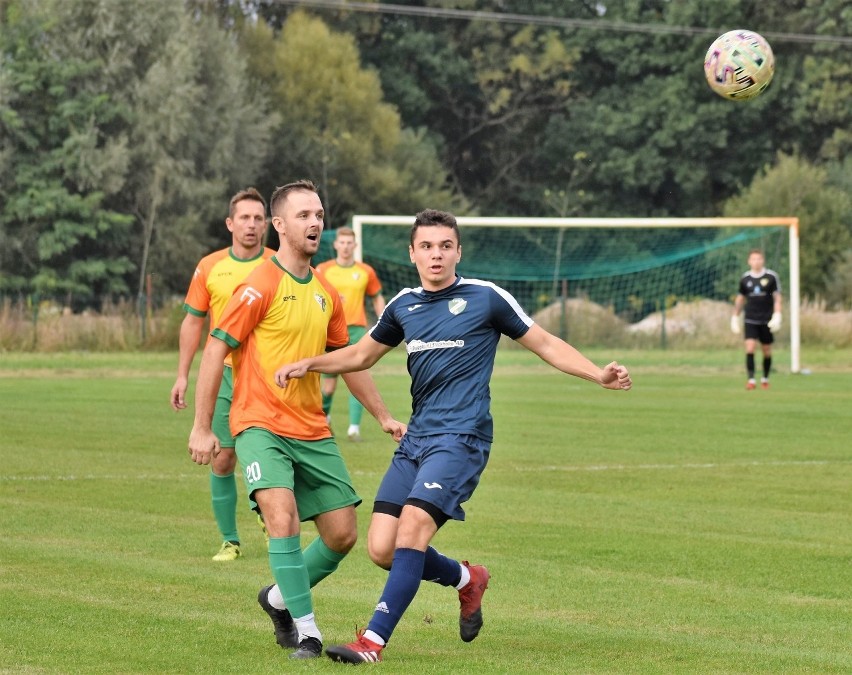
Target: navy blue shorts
<point x="441" y="470"/>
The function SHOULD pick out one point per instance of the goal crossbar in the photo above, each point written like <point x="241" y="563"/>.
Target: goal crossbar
<point x="791" y="223"/>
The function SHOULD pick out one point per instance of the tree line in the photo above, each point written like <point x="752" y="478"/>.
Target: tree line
<point x="125" y="127"/>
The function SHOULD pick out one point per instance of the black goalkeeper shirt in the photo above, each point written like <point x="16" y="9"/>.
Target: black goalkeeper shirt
<point x="759" y="292"/>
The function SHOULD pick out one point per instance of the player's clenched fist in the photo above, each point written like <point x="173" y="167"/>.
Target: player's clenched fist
<point x="615" y="376"/>
<point x="203" y="446"/>
<point x="291" y="371"/>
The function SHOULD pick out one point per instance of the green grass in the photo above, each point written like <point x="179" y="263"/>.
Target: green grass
<point x="687" y="526"/>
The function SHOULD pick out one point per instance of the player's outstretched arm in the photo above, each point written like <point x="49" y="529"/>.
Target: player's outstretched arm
<point x="566" y="358"/>
<point x="360" y="356"/>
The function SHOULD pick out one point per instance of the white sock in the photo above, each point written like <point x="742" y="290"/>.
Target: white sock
<point x="353" y="429"/>
<point x="275" y="598"/>
<point x="465" y="577"/>
<point x="307" y="627"/>
<point x="373" y="637"/>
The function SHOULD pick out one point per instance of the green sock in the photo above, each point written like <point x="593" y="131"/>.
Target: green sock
<point x="291" y="575"/>
<point x="326" y="403"/>
<point x="223" y="492"/>
<point x="320" y="561"/>
<point x="355" y="410"/>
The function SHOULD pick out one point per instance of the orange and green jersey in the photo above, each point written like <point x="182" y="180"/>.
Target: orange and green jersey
<point x="214" y="281"/>
<point x="274" y="319"/>
<point x="353" y="282"/>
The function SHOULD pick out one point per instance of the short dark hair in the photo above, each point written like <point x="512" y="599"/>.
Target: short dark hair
<point x="432" y="217"/>
<point x="281" y="192"/>
<point x="249" y="193"/>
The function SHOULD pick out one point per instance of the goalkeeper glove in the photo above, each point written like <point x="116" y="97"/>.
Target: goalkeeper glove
<point x="735" y="324"/>
<point x="775" y="322"/>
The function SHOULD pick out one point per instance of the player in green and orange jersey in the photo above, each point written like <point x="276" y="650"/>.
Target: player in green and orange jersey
<point x="354" y="281"/>
<point x="292" y="466"/>
<point x="212" y="285"/>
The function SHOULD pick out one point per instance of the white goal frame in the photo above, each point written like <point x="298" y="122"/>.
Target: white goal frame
<point x="791" y="223"/>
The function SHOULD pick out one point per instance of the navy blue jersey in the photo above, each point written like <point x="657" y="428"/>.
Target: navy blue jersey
<point x="758" y="292"/>
<point x="451" y="337"/>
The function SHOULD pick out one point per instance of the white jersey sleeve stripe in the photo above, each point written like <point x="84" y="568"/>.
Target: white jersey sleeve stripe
<point x="508" y="297"/>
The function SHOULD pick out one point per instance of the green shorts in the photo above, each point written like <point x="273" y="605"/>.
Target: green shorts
<point x="313" y="470"/>
<point x="355" y="334"/>
<point x="222" y="411"/>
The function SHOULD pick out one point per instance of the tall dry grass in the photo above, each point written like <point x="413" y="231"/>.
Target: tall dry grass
<point x="701" y="324"/>
<point x="51" y="328"/>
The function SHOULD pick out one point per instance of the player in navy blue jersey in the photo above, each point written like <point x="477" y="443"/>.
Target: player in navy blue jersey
<point x="451" y="327"/>
<point x="760" y="294"/>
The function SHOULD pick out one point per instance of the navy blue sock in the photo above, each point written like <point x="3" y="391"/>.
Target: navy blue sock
<point x="440" y="569"/>
<point x="400" y="589"/>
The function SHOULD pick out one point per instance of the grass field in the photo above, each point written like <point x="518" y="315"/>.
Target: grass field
<point x="686" y="526"/>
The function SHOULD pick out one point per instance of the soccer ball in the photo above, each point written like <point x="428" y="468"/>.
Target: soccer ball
<point x="739" y="65"/>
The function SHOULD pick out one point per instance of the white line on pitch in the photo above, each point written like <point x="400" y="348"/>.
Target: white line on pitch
<point x="92" y="476"/>
<point x="656" y="467"/>
<point x="138" y="477"/>
<point x="519" y="469"/>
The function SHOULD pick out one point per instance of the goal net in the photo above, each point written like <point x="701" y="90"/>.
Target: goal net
<point x="617" y="282"/>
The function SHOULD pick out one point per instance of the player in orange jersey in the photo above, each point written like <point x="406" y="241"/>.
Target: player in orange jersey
<point x="354" y="281"/>
<point x="292" y="466"/>
<point x="212" y="285"/>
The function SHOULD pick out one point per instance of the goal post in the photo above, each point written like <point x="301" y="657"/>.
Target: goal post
<point x="791" y="224"/>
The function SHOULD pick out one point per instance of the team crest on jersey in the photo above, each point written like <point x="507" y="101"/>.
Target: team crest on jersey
<point x="320" y="300"/>
<point x="764" y="281"/>
<point x="457" y="305"/>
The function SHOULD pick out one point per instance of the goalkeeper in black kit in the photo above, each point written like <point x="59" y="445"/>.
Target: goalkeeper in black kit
<point x="760" y="294"/>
